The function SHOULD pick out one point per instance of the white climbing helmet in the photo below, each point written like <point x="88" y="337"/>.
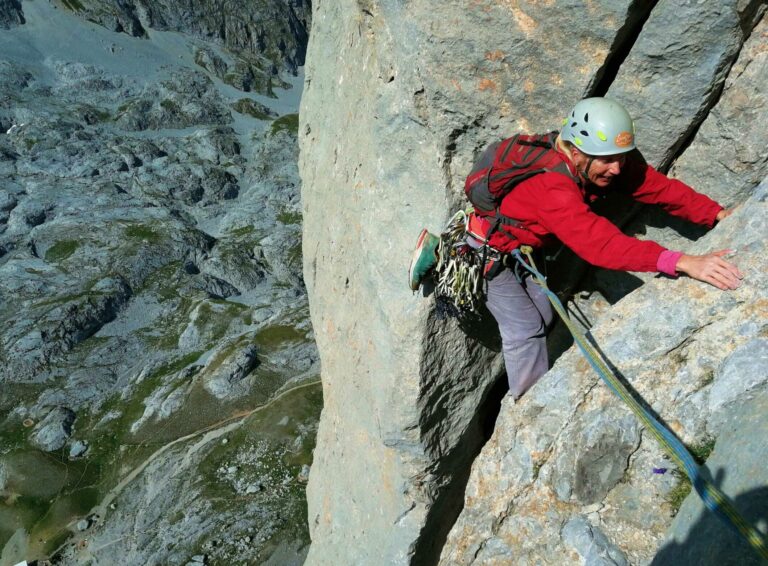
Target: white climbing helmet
<point x="599" y="126"/>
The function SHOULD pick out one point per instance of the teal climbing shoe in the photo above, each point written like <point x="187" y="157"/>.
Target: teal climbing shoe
<point x="424" y="258"/>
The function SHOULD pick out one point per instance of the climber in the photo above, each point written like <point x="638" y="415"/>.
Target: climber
<point x="595" y="152"/>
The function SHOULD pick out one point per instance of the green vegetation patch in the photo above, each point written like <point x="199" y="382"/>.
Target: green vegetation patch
<point x="216" y="317"/>
<point x="702" y="450"/>
<point x="279" y="440"/>
<point x="163" y="282"/>
<point x="73" y="5"/>
<point x="124" y="107"/>
<point x="179" y="364"/>
<point x="294" y="255"/>
<point x="679" y="492"/>
<point x="682" y="488"/>
<point x="61" y="250"/>
<point x="170" y="105"/>
<point x="142" y="232"/>
<point x="102" y="115"/>
<point x="288" y="217"/>
<point x="289" y="122"/>
<point x="243" y="231"/>
<point x="252" y="108"/>
<point x="273" y="336"/>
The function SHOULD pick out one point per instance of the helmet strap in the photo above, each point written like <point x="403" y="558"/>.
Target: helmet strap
<point x="585" y="173"/>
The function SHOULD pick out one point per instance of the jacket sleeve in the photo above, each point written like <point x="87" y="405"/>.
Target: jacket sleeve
<point x="592" y="237"/>
<point x="675" y="197"/>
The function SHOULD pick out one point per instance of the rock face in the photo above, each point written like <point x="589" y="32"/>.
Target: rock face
<point x="696" y="536"/>
<point x="257" y="38"/>
<point x="11" y="13"/>
<point x="54" y="430"/>
<point x="676" y="69"/>
<point x="567" y="469"/>
<point x="398" y="100"/>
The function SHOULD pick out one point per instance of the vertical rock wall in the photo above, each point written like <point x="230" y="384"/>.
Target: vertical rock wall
<point x="398" y="99"/>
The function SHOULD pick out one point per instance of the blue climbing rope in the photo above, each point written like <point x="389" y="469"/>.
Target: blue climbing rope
<point x="712" y="497"/>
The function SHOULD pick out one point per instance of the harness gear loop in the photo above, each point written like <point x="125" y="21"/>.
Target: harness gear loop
<point x="709" y="493"/>
<point x="459" y="270"/>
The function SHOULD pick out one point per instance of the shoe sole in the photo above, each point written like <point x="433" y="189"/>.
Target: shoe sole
<point x="415" y="257"/>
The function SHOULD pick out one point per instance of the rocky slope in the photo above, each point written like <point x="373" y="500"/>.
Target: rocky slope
<point x="398" y="100"/>
<point x="258" y="38"/>
<point x="154" y="316"/>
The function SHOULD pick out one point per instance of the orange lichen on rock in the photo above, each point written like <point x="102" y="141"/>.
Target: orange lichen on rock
<point x="487" y="84"/>
<point x="529" y="86"/>
<point x="525" y="22"/>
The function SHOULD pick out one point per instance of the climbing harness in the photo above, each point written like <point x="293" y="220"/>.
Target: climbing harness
<point x="710" y="494"/>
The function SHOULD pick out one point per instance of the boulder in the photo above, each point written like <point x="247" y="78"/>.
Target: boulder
<point x="53" y="431"/>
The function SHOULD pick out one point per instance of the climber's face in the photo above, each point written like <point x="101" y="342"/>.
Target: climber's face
<point x="599" y="170"/>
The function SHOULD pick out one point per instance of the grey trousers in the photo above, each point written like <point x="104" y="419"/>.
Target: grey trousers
<point x="523" y="313"/>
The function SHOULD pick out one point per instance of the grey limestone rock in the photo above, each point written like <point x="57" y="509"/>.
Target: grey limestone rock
<point x="78" y="449"/>
<point x="591" y="545"/>
<point x="11" y="13"/>
<point x="416" y="95"/>
<point x="726" y="159"/>
<point x="53" y="431"/>
<point x="696" y="536"/>
<point x="275" y="30"/>
<point x="130" y="194"/>
<point x="676" y="68"/>
<point x="187" y="98"/>
<point x="227" y="373"/>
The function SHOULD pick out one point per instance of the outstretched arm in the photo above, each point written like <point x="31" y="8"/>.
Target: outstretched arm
<point x="651" y="187"/>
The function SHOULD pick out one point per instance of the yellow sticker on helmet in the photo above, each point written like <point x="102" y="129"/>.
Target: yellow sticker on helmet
<point x="602" y="136"/>
<point x="624" y="139"/>
<point x="577" y="141"/>
<point x="565" y="121"/>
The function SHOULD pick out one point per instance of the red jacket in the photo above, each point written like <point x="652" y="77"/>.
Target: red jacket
<point x="552" y="204"/>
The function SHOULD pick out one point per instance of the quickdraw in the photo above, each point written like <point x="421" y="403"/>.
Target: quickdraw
<point x="712" y="497"/>
<point x="459" y="270"/>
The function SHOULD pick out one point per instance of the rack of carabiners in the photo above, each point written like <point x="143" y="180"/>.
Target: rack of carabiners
<point x="459" y="269"/>
<point x="712" y="497"/>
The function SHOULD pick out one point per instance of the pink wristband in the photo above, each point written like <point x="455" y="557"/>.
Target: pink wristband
<point x="667" y="262"/>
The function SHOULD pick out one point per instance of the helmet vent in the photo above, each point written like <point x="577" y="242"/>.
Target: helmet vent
<point x="584" y="133"/>
<point x="573" y="125"/>
<point x="586" y="117"/>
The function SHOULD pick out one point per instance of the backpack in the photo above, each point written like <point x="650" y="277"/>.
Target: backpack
<point x="505" y="164"/>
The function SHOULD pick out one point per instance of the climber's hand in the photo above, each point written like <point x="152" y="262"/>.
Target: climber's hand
<point x="711" y="268"/>
<point x="725" y="213"/>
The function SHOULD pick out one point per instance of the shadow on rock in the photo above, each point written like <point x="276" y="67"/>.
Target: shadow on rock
<point x="711" y="542"/>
